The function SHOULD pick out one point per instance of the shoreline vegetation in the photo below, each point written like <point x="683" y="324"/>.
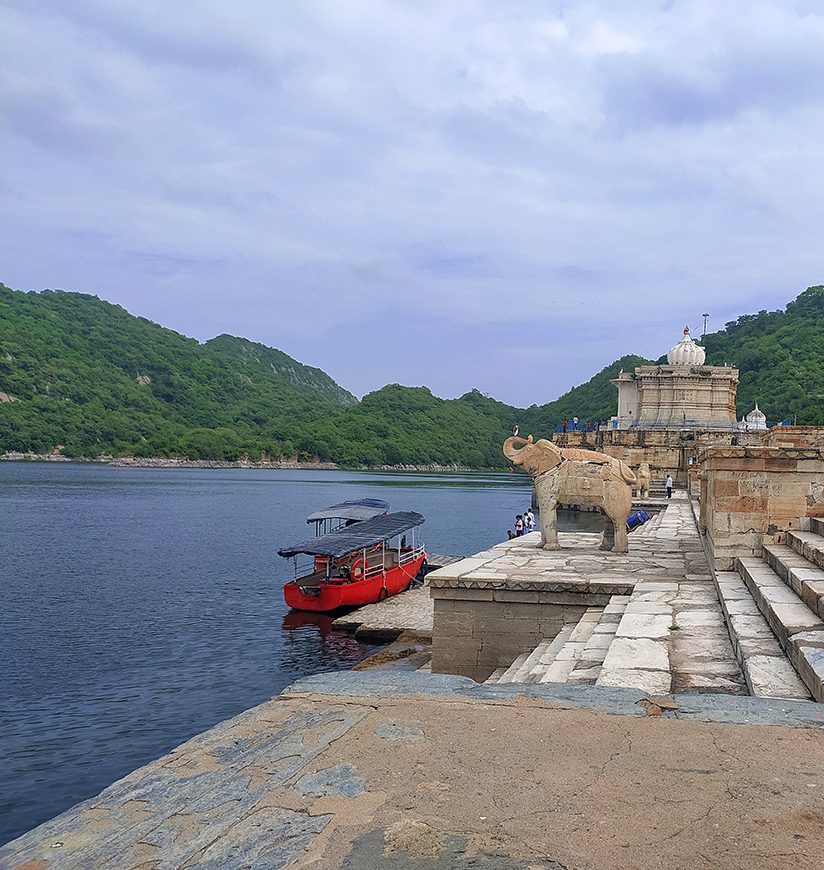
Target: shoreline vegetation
<point x="182" y="462"/>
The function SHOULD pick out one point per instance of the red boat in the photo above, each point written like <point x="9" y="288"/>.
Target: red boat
<point x="355" y="565"/>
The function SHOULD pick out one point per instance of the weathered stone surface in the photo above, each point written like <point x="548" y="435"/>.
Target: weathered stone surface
<point x="342" y="779"/>
<point x="412" y="610"/>
<point x="773" y="677"/>
<point x="644" y="625"/>
<point x="652" y="682"/>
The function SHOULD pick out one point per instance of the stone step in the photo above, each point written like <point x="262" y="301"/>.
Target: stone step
<point x="587" y="668"/>
<point x="804" y="578"/>
<point x="799" y="631"/>
<point x="817" y="525"/>
<point x="767" y="671"/>
<point x="638" y="657"/>
<point x="545" y="649"/>
<point x="495" y="676"/>
<point x="541" y="657"/>
<point x="506" y="676"/>
<point x="810" y="545"/>
<point x="565" y="656"/>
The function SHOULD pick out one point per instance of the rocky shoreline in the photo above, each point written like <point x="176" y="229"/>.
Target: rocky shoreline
<point x="176" y="462"/>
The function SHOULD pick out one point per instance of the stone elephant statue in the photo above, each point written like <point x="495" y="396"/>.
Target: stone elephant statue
<point x="575" y="476"/>
<point x="643" y="478"/>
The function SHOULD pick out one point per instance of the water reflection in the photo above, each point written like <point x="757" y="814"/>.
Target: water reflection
<point x="311" y="644"/>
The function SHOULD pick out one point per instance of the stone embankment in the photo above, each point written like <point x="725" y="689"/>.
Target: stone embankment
<point x="163" y="462"/>
<point x="402" y="770"/>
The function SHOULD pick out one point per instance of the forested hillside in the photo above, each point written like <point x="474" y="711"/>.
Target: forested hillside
<point x="88" y="377"/>
<point x="595" y="400"/>
<point x="780" y="359"/>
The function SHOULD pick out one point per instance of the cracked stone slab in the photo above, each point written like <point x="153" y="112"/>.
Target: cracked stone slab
<point x="632" y="653"/>
<point x="215" y="779"/>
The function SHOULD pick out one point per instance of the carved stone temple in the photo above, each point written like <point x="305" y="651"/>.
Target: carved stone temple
<point x="683" y="394"/>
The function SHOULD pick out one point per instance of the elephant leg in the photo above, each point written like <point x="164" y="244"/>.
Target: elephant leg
<point x="546" y="491"/>
<point x="620" y="535"/>
<point x="608" y="538"/>
<point x="549" y="530"/>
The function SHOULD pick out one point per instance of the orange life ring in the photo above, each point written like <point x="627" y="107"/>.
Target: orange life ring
<point x="358" y="568"/>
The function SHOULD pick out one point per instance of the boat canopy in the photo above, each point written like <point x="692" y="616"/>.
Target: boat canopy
<point x="360" y="536"/>
<point x="357" y="509"/>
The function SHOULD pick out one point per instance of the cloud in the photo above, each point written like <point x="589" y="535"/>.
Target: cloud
<point x="462" y="195"/>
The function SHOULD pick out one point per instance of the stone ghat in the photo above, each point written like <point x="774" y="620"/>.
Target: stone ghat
<point x="650" y="619"/>
<point x="395" y="770"/>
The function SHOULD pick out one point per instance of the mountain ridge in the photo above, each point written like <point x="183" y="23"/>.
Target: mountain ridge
<point x="87" y="377"/>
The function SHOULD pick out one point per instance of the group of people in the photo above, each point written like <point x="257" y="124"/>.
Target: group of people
<point x="524" y="524"/>
<point x="579" y="426"/>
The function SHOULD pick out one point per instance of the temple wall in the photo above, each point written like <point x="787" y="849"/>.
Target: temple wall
<point x="754" y="495"/>
<point x="667" y="452"/>
<point x="794" y="436"/>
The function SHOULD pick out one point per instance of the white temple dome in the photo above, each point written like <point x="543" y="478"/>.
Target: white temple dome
<point x="686" y="352"/>
<point x="756" y="419"/>
<point x="756" y="415"/>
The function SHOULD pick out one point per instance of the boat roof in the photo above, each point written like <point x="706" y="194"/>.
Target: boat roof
<point x="358" y="509"/>
<point x="360" y="536"/>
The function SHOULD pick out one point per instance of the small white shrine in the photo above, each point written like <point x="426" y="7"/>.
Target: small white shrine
<point x="755" y="421"/>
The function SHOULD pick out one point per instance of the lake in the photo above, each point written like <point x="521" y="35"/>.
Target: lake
<point x="139" y="607"/>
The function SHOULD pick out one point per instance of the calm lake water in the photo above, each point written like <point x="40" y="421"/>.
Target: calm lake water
<point x="139" y="607"/>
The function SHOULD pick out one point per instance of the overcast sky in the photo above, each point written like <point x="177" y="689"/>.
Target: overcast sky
<point x="505" y="196"/>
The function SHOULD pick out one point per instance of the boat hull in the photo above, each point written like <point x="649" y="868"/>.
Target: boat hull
<point x="333" y="596"/>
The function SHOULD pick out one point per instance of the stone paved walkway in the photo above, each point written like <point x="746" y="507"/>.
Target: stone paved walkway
<point x="405" y="772"/>
<point x="672" y="636"/>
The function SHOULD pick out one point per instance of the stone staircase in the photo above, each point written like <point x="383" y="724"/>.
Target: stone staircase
<point x="575" y="655"/>
<point x="758" y="630"/>
<point x="787" y="589"/>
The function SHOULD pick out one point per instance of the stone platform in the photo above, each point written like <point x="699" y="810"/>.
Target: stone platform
<point x="404" y="772"/>
<point x="409" y="611"/>
<point x="506" y="601"/>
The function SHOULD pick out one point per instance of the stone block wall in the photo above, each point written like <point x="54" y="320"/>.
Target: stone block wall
<point x="794" y="436"/>
<point x="476" y="631"/>
<point x="754" y="495"/>
<point x="667" y="452"/>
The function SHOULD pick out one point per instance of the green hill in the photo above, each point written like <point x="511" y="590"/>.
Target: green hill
<point x="92" y="377"/>
<point x="780" y="359"/>
<point x="595" y="400"/>
<point x="86" y="375"/>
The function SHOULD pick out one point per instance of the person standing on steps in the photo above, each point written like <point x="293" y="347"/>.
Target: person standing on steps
<point x="529" y="521"/>
<point x="669" y="486"/>
<point x="519" y="526"/>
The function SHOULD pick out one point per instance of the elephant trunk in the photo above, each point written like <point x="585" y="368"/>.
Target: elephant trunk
<point x="512" y="447"/>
